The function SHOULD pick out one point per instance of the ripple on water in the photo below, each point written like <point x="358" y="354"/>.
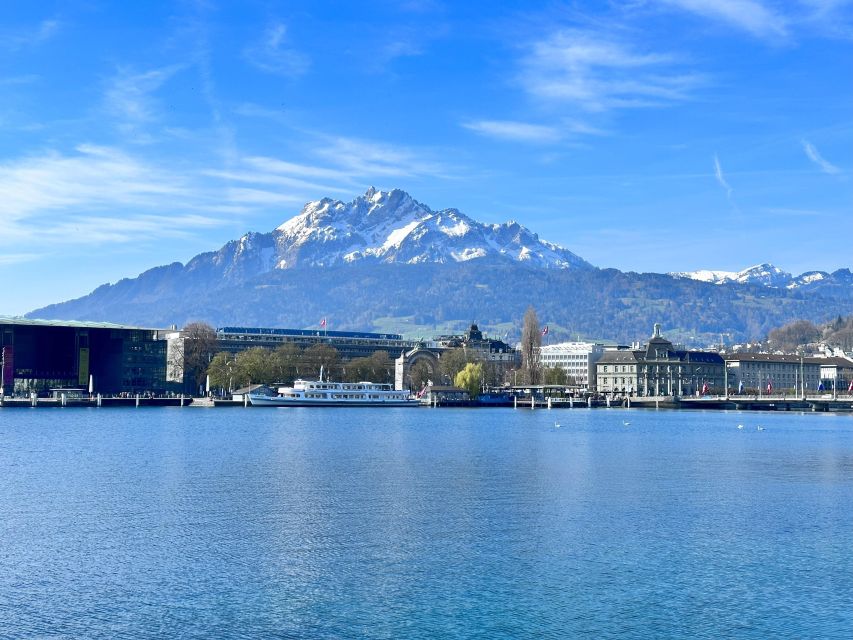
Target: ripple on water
<point x="424" y="523"/>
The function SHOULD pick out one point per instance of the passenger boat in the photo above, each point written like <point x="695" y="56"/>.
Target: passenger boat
<point x="322" y="393"/>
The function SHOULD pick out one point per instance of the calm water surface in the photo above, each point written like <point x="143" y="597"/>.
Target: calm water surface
<point x="406" y="523"/>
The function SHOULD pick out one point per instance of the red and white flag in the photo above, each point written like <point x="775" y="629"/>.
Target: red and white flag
<point x="850" y="388"/>
<point x="545" y="330"/>
<point x="323" y="323"/>
<point x="705" y="389"/>
<point x="769" y="387"/>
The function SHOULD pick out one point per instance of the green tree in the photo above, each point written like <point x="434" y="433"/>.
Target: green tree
<point x="381" y="367"/>
<point x="453" y="361"/>
<point x="470" y="379"/>
<point x="555" y="375"/>
<point x="224" y="373"/>
<point x="257" y="365"/>
<point x="320" y="356"/>
<point x="285" y="363"/>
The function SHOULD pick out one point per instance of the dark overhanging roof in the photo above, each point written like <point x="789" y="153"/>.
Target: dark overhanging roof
<point x="73" y="324"/>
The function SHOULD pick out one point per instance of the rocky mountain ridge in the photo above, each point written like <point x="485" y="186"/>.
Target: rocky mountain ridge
<point x="764" y="274"/>
<point x="386" y="262"/>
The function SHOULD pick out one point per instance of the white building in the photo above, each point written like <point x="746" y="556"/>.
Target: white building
<point x="577" y="358"/>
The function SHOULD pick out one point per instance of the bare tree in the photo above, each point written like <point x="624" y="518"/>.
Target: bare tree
<point x="198" y="345"/>
<point x="531" y="341"/>
<point x="793" y="335"/>
<point x="421" y="373"/>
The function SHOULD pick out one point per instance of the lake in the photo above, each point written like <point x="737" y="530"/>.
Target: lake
<point x="423" y="523"/>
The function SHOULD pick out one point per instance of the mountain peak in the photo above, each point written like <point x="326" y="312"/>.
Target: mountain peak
<point x="392" y="227"/>
<point x="765" y="274"/>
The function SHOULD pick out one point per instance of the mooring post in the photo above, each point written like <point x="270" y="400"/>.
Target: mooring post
<point x="549" y="402"/>
<point x="515" y="402"/>
<point x="137" y="399"/>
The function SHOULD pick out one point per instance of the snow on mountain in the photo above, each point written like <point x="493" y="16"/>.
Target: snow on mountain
<point x="706" y="275"/>
<point x="807" y="278"/>
<point x="392" y="227"/>
<point x="764" y="274"/>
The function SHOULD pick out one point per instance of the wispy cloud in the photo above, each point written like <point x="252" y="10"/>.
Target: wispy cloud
<point x="75" y="199"/>
<point x="17" y="258"/>
<point x="813" y="155"/>
<point x="367" y="158"/>
<point x="15" y="40"/>
<point x="595" y="72"/>
<point x="794" y="213"/>
<point x="752" y="16"/>
<point x="271" y="54"/>
<point x="517" y="131"/>
<point x="129" y="99"/>
<point x="721" y="179"/>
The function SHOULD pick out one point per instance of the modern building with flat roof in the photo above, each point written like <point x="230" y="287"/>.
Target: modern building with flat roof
<point x="38" y="355"/>
<point x="576" y="358"/>
<point x="350" y="344"/>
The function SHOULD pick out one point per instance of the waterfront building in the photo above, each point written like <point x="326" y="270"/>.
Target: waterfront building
<point x="659" y="369"/>
<point x="101" y="357"/>
<point x="836" y="373"/>
<point x="496" y="355"/>
<point x="485" y="349"/>
<point x="349" y="344"/>
<point x="616" y="371"/>
<point x="578" y="359"/>
<point x="762" y="372"/>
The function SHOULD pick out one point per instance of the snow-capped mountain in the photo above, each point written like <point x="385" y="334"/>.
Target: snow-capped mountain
<point x="764" y="274"/>
<point x="387" y="227"/>
<point x="392" y="227"/>
<point x="386" y="257"/>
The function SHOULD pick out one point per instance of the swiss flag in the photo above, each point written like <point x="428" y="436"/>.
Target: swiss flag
<point x="545" y="330"/>
<point x="323" y="322"/>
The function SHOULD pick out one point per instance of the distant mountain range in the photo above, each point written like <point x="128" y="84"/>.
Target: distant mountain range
<point x="387" y="262"/>
<point x="764" y="274"/>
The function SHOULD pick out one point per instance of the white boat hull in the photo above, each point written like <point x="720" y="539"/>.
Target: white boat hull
<point x="277" y="401"/>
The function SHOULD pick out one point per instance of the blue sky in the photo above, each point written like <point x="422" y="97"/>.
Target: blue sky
<point x="650" y="135"/>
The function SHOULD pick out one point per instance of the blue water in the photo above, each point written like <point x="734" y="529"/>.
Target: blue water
<point x="407" y="523"/>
